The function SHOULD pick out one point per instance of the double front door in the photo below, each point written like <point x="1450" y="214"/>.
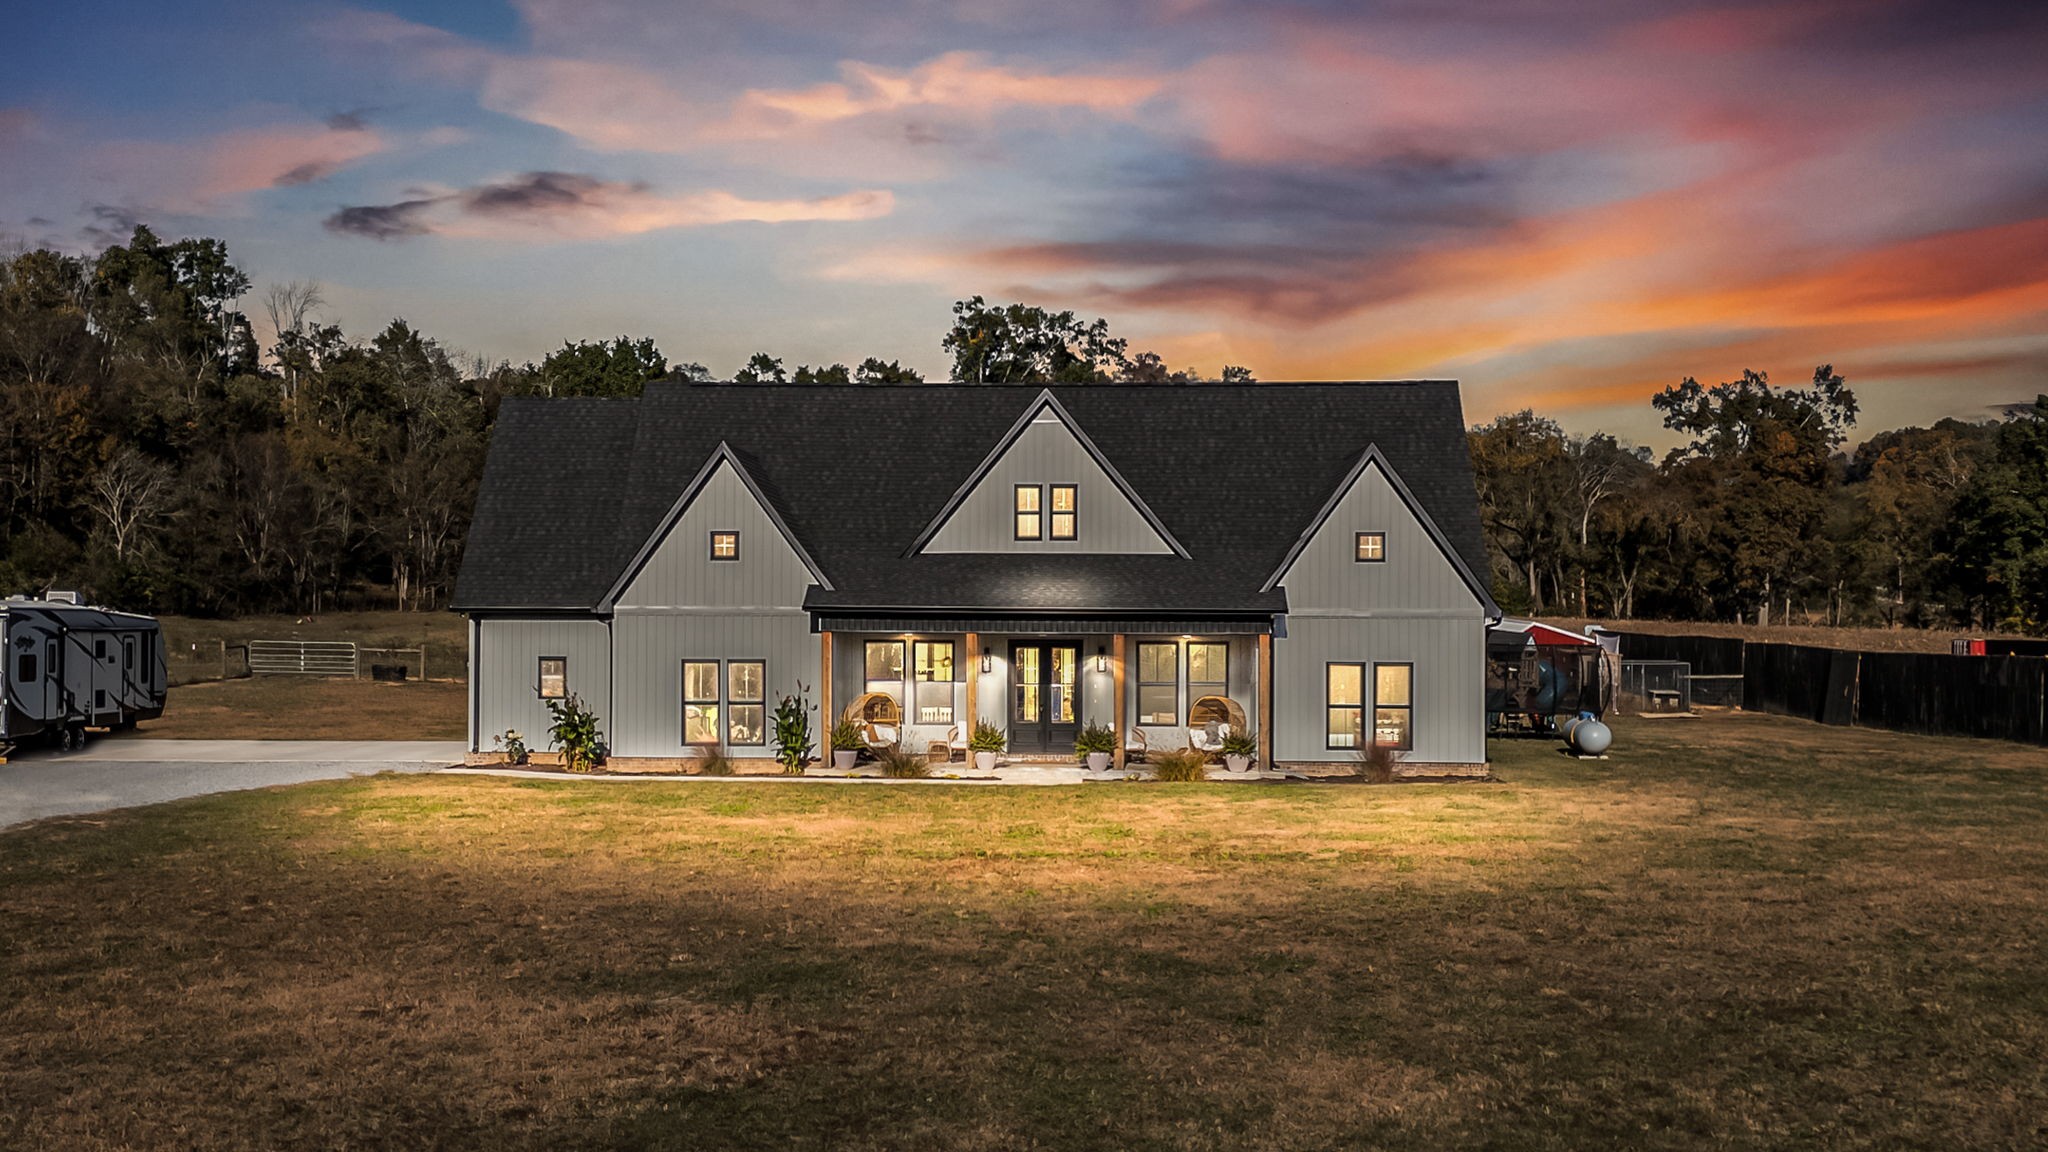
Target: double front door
<point x="1045" y="697"/>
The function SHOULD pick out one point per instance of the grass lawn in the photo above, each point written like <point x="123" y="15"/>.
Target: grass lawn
<point x="1740" y="932"/>
<point x="312" y="708"/>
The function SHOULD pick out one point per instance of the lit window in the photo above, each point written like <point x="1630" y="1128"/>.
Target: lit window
<point x="933" y="661"/>
<point x="746" y="688"/>
<point x="1393" y="706"/>
<point x="1345" y="697"/>
<point x="1030" y="524"/>
<point x="1372" y="547"/>
<point x="725" y="545"/>
<point x="700" y="701"/>
<point x="554" y="677"/>
<point x="885" y="668"/>
<point x="1208" y="671"/>
<point x="1158" y="683"/>
<point x="1064" y="511"/>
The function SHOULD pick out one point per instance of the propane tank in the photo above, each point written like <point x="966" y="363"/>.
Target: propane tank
<point x="1587" y="736"/>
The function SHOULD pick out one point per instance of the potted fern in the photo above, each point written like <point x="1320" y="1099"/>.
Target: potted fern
<point x="1096" y="744"/>
<point x="846" y="744"/>
<point x="1239" y="748"/>
<point x="987" y="743"/>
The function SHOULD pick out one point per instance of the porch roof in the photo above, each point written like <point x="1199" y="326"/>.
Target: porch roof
<point x="1042" y="626"/>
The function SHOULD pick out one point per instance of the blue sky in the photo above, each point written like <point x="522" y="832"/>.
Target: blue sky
<point x="1564" y="205"/>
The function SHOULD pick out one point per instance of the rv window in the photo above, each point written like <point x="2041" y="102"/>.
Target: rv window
<point x="99" y="648"/>
<point x="128" y="654"/>
<point x="25" y="668"/>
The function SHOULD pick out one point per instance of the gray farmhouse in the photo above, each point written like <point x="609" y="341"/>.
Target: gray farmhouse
<point x="1302" y="559"/>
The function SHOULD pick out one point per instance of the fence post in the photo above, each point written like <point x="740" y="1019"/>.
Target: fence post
<point x="423" y="661"/>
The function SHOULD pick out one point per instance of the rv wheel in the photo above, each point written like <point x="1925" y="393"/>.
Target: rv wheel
<point x="67" y="740"/>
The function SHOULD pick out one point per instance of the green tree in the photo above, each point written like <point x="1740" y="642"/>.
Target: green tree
<point x="1998" y="539"/>
<point x="1024" y="344"/>
<point x="761" y="369"/>
<point x="873" y="371"/>
<point x="1520" y="464"/>
<point x="620" y="367"/>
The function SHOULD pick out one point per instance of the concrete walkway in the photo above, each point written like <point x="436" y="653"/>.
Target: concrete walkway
<point x="124" y="772"/>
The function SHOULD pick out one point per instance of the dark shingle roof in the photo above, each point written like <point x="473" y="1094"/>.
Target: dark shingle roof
<point x="1236" y="471"/>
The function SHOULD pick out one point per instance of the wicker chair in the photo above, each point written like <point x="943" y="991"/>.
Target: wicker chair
<point x="1135" y="747"/>
<point x="1211" y="719"/>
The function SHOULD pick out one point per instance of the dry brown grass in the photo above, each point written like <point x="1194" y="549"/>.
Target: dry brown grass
<point x="1735" y="933"/>
<point x="312" y="708"/>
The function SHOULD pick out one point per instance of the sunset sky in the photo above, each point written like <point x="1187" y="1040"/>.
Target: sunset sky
<point x="1564" y="205"/>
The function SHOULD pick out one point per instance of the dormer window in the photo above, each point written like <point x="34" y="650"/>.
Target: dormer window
<point x="1065" y="524"/>
<point x="1030" y="516"/>
<point x="725" y="545"/>
<point x="1372" y="547"/>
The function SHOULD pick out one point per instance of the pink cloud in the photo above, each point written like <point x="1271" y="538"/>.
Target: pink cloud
<point x="216" y="173"/>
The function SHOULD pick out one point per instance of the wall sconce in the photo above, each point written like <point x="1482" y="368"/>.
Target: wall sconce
<point x="988" y="660"/>
<point x="1101" y="659"/>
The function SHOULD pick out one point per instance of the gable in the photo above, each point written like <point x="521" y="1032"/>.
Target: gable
<point x="679" y="572"/>
<point x="1420" y="574"/>
<point x="1042" y="451"/>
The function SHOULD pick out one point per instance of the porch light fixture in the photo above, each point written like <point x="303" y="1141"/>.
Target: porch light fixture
<point x="1101" y="659"/>
<point x="988" y="660"/>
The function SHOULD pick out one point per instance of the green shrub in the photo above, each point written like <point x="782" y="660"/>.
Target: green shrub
<point x="1180" y="766"/>
<point x="514" y="746"/>
<point x="901" y="765"/>
<point x="1241" y="744"/>
<point x="848" y="737"/>
<point x="714" y="762"/>
<point x="575" y="733"/>
<point x="1095" y="738"/>
<point x="793" y="731"/>
<point x="987" y="738"/>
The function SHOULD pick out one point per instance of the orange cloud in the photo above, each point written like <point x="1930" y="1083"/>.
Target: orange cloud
<point x="956" y="81"/>
<point x="215" y="174"/>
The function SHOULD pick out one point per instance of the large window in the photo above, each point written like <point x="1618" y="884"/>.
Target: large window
<point x="885" y="668"/>
<point x="1372" y="547"/>
<point x="1393" y="705"/>
<point x="1158" y="683"/>
<point x="700" y="701"/>
<point x="933" y="661"/>
<point x="1208" y="671"/>
<point x="725" y="545"/>
<point x="1029" y="514"/>
<point x="1065" y="522"/>
<point x="554" y="678"/>
<point x="746" y="702"/>
<point x="1345" y="698"/>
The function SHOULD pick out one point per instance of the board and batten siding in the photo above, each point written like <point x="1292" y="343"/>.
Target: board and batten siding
<point x="1047" y="453"/>
<point x="505" y="675"/>
<point x="681" y="574"/>
<point x="1411" y="608"/>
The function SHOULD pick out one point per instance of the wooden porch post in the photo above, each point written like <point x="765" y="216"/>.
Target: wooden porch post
<point x="825" y="717"/>
<point x="973" y="683"/>
<point x="1116" y="694"/>
<point x="1265" y="701"/>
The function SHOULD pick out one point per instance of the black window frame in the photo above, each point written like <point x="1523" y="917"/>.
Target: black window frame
<point x="733" y="703"/>
<point x="1222" y="686"/>
<point x="26" y="667"/>
<point x="1173" y="684"/>
<point x="914" y="707"/>
<point x="540" y="677"/>
<point x="1358" y="548"/>
<point x="1363" y="668"/>
<point x="716" y="700"/>
<point x="1017" y="514"/>
<point x="902" y="668"/>
<point x="99" y="647"/>
<point x="711" y="545"/>
<point x="1409" y="744"/>
<point x="1053" y="514"/>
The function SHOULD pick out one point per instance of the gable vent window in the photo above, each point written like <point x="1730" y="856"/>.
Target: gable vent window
<point x="554" y="677"/>
<point x="1372" y="547"/>
<point x="725" y="545"/>
<point x="1064" y="512"/>
<point x="1030" y="515"/>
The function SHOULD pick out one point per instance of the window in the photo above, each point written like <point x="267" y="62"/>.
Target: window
<point x="746" y="697"/>
<point x="1345" y="696"/>
<point x="933" y="661"/>
<point x="1064" y="512"/>
<point x="1158" y="683"/>
<point x="99" y="648"/>
<point x="554" y="677"/>
<point x="885" y="668"/>
<point x="128" y="653"/>
<point x="725" y="545"/>
<point x="1208" y="671"/>
<point x="700" y="701"/>
<point x="25" y="668"/>
<point x="1393" y="705"/>
<point x="1372" y="547"/>
<point x="1029" y="526"/>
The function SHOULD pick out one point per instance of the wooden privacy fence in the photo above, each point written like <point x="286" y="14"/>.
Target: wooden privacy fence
<point x="302" y="658"/>
<point x="1997" y="697"/>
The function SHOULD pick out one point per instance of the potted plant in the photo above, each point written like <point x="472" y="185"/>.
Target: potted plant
<point x="1096" y="743"/>
<point x="987" y="743"/>
<point x="1239" y="748"/>
<point x="847" y="742"/>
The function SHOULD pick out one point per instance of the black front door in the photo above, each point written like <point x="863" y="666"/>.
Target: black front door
<point x="1045" y="700"/>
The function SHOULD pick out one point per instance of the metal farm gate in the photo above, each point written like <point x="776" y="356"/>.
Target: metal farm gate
<point x="302" y="658"/>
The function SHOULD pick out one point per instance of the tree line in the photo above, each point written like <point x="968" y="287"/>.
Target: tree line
<point x="1760" y="515"/>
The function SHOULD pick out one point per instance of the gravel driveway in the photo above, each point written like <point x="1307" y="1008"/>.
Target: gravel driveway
<point x="123" y="772"/>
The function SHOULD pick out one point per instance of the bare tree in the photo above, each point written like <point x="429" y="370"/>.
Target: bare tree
<point x="290" y="307"/>
<point x="129" y="494"/>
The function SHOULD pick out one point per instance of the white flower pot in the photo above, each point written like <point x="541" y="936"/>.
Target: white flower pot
<point x="843" y="758"/>
<point x="1098" y="761"/>
<point x="1237" y="763"/>
<point x="985" y="761"/>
